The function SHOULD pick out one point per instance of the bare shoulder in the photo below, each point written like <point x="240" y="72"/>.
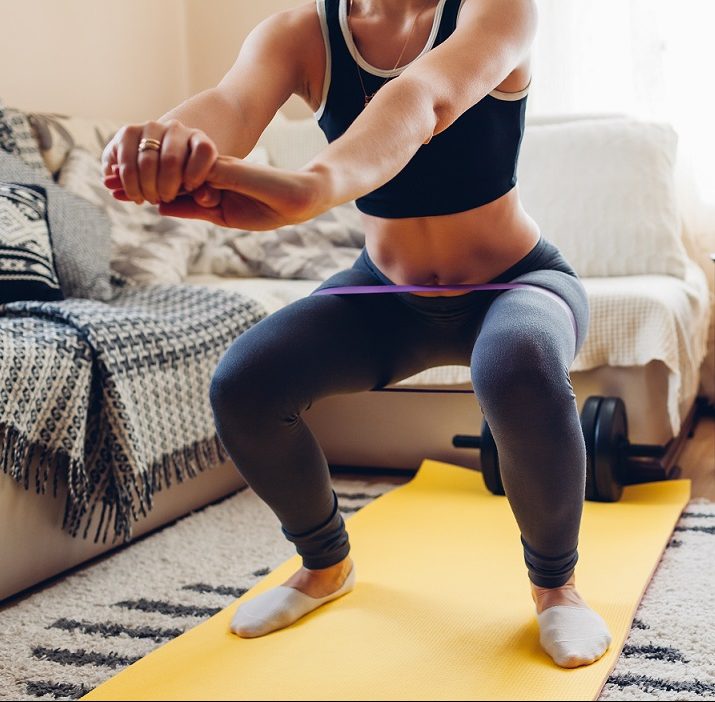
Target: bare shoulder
<point x="302" y="19"/>
<point x="296" y="30"/>
<point x="296" y="33"/>
<point x="506" y="21"/>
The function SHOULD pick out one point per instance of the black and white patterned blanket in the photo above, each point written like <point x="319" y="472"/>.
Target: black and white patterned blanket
<point x="113" y="396"/>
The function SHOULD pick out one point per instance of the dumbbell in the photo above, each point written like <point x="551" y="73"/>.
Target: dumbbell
<point x="605" y="431"/>
<point x="608" y="451"/>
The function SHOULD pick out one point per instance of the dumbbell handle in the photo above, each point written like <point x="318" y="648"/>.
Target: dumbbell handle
<point x="644" y="450"/>
<point x="466" y="441"/>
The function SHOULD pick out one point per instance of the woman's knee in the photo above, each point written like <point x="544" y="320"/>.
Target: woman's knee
<point x="247" y="388"/>
<point x="232" y="388"/>
<point x="526" y="364"/>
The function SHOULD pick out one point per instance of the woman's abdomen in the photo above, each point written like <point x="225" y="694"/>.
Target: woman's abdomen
<point x="466" y="247"/>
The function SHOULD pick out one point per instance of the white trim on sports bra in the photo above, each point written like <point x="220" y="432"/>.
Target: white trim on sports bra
<point x="381" y="72"/>
<point x="328" y="57"/>
<point x="500" y="94"/>
<point x="352" y="48"/>
<point x="511" y="97"/>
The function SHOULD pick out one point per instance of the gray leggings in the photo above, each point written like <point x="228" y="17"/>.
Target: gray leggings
<point x="519" y="345"/>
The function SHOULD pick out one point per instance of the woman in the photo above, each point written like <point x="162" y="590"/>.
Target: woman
<point x="423" y="102"/>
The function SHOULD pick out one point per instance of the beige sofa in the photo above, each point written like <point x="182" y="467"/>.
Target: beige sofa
<point x="399" y="426"/>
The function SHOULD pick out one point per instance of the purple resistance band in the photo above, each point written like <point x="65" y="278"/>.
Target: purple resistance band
<point x="377" y="289"/>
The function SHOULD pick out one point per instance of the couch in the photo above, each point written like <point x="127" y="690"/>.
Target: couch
<point x="603" y="188"/>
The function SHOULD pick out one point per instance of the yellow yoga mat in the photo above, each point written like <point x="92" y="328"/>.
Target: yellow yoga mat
<point x="441" y="610"/>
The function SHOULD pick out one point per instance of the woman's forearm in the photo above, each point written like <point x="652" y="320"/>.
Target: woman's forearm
<point x="378" y="144"/>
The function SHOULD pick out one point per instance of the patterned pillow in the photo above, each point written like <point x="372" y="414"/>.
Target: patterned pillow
<point x="7" y="138"/>
<point x="27" y="269"/>
<point x="80" y="233"/>
<point x="16" y="137"/>
<point x="25" y="143"/>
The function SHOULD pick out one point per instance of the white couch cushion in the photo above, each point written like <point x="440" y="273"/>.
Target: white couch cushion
<point x="291" y="143"/>
<point x="604" y="192"/>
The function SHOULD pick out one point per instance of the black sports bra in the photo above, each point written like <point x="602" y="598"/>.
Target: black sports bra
<point x="471" y="163"/>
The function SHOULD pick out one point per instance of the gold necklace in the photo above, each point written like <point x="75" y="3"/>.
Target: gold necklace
<point x="399" y="58"/>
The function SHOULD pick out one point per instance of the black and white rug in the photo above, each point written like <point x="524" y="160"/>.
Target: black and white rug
<point x="63" y="640"/>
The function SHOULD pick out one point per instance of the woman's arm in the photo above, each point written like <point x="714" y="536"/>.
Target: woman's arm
<point x="274" y="62"/>
<point x="278" y="58"/>
<point x="493" y="39"/>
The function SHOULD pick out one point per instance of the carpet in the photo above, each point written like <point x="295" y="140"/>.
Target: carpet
<point x="63" y="640"/>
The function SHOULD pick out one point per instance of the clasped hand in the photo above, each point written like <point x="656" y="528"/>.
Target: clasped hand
<point x="188" y="178"/>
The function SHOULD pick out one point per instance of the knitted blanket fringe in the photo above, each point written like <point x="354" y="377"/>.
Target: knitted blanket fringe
<point x="110" y="399"/>
<point x="183" y="464"/>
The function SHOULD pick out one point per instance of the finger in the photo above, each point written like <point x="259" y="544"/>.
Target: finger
<point x="206" y="196"/>
<point x="113" y="182"/>
<point x="148" y="161"/>
<point x="186" y="208"/>
<point x="202" y="155"/>
<point x="127" y="162"/>
<point x="109" y="156"/>
<point x="174" y="152"/>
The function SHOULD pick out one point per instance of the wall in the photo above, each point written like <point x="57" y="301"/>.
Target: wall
<point x="93" y="58"/>
<point x="216" y="30"/>
<point x="130" y="59"/>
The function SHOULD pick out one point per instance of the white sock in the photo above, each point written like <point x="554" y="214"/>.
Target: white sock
<point x="280" y="607"/>
<point x="573" y="635"/>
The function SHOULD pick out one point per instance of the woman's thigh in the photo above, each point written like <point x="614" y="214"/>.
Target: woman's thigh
<point x="328" y="344"/>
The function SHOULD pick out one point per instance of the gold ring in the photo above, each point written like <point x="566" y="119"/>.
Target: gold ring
<point x="148" y="144"/>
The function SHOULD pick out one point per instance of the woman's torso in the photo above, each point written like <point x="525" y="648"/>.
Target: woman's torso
<point x="470" y="246"/>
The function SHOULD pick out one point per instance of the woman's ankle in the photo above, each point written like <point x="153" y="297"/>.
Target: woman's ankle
<point x="545" y="597"/>
<point x="320" y="582"/>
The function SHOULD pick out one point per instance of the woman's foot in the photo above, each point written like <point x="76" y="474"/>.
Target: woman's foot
<point x="570" y="631"/>
<point x="303" y="592"/>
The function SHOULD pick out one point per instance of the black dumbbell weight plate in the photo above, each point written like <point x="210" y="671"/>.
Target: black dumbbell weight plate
<point x="589" y="417"/>
<point x="610" y="440"/>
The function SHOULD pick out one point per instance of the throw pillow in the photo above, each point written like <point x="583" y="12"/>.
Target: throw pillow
<point x="80" y="233"/>
<point x="27" y="270"/>
<point x="603" y="191"/>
